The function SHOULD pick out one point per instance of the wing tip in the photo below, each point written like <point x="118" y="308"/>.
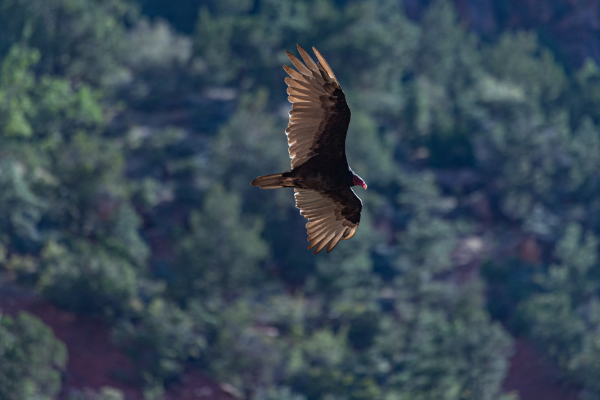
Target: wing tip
<point x="325" y="64"/>
<point x="310" y="63"/>
<point x="351" y="233"/>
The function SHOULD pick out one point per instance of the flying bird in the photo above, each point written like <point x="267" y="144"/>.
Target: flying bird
<point x="316" y="134"/>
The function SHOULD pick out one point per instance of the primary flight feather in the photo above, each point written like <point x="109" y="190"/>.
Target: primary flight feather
<point x="320" y="174"/>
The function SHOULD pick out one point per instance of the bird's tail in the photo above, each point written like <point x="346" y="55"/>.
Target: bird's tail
<point x="274" y="181"/>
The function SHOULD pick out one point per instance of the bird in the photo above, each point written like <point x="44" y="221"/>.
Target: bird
<point x="320" y="174"/>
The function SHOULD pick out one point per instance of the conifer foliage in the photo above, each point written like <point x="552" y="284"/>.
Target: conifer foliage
<point x="129" y="133"/>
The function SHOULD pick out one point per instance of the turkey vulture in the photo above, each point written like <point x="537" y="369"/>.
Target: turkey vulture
<point x="320" y="174"/>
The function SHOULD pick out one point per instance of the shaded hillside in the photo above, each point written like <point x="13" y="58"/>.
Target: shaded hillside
<point x="127" y="144"/>
<point x="571" y="28"/>
<point x="94" y="362"/>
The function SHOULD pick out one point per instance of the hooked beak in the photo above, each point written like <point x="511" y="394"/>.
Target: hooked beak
<point x="364" y="185"/>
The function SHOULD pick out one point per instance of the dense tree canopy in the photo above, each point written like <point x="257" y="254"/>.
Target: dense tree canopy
<point x="130" y="132"/>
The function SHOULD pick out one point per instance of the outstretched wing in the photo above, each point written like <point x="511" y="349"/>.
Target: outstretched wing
<point x="332" y="216"/>
<point x="320" y="116"/>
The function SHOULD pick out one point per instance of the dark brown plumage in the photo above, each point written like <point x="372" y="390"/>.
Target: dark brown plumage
<point x="320" y="174"/>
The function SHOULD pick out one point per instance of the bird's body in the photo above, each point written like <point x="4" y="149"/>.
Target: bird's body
<point x="320" y="174"/>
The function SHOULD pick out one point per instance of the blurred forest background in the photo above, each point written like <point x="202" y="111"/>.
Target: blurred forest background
<point x="129" y="134"/>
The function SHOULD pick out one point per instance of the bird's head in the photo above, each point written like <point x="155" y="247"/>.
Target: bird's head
<point x="358" y="181"/>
